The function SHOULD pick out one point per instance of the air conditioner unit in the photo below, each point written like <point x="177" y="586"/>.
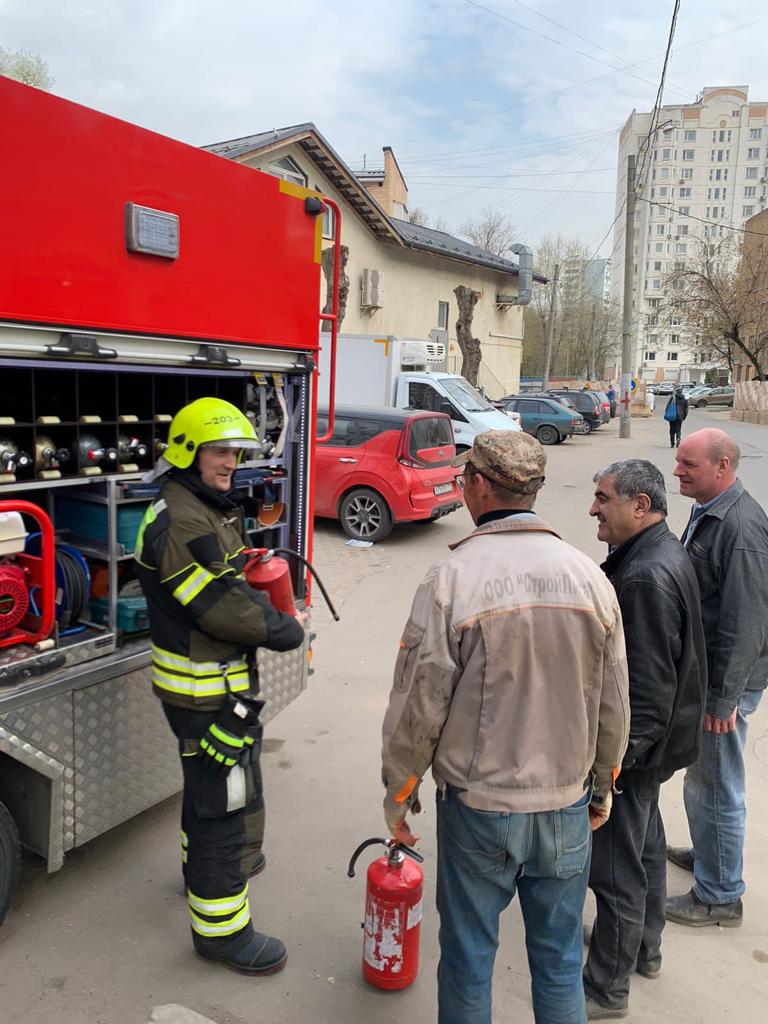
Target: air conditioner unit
<point x="372" y="290"/>
<point x="681" y="181"/>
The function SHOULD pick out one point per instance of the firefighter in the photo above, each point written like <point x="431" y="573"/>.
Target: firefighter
<point x="206" y="624"/>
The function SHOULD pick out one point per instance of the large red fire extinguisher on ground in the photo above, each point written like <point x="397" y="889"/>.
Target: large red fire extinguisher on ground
<point x="393" y="911"/>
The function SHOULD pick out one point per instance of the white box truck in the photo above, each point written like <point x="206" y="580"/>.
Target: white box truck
<point x="408" y="373"/>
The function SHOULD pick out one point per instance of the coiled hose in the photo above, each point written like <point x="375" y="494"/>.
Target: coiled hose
<point x="74" y="592"/>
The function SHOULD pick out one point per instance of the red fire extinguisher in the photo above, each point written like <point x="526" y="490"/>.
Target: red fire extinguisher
<point x="393" y="910"/>
<point x="267" y="572"/>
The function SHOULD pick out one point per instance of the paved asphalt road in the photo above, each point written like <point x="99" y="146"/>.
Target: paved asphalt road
<point x="105" y="940"/>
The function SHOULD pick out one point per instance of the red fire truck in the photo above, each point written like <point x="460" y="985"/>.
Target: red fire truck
<point x="136" y="274"/>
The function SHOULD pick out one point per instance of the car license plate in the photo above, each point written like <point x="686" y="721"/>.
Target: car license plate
<point x="442" y="488"/>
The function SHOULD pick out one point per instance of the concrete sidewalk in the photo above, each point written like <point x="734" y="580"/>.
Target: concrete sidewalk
<point x="105" y="941"/>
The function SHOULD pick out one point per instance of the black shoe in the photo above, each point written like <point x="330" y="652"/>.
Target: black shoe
<point x="649" y="968"/>
<point x="258" y="865"/>
<point x="596" y="1011"/>
<point x="690" y="911"/>
<point x="261" y="954"/>
<point x="682" y="856"/>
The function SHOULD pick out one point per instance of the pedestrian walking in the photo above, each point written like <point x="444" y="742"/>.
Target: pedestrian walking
<point x="727" y="538"/>
<point x="511" y="683"/>
<point x="611" y="394"/>
<point x="660" y="606"/>
<point x="674" y="413"/>
<point x="206" y="624"/>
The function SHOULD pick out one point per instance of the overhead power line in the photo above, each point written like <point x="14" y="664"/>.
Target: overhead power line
<point x="645" y="147"/>
<point x="730" y="226"/>
<point x="557" y="42"/>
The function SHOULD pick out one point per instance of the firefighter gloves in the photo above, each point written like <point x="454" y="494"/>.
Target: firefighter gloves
<point x="226" y="741"/>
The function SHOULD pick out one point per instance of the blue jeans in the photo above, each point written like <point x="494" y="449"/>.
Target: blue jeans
<point x="716" y="808"/>
<point x="483" y="858"/>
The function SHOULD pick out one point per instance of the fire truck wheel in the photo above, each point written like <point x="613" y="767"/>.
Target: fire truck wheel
<point x="10" y="860"/>
<point x="365" y="515"/>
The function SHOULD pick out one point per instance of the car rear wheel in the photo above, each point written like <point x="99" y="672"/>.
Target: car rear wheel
<point x="702" y="403"/>
<point x="364" y="515"/>
<point x="10" y="860"/>
<point x="547" y="434"/>
<point x="588" y="425"/>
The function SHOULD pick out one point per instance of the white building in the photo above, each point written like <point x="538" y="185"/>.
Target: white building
<point x="704" y="171"/>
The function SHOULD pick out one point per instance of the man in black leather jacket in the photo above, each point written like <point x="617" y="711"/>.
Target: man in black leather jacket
<point x="727" y="539"/>
<point x="659" y="598"/>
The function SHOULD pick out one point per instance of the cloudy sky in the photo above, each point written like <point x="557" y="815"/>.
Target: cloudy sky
<point x="514" y="104"/>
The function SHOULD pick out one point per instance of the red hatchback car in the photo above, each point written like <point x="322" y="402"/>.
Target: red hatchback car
<point x="385" y="466"/>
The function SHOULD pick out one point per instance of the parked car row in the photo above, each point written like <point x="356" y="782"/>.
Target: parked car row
<point x="700" y="395"/>
<point x="554" y="415"/>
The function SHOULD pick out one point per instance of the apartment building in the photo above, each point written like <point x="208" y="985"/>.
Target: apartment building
<point x="703" y="172"/>
<point x="592" y="278"/>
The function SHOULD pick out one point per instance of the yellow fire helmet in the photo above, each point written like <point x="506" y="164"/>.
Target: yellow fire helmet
<point x="207" y="421"/>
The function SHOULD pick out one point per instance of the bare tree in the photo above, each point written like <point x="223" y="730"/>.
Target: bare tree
<point x="25" y="67"/>
<point x="467" y="299"/>
<point x="418" y="215"/>
<point x="576" y="333"/>
<point x="719" y="298"/>
<point x="327" y="264"/>
<point x="492" y="231"/>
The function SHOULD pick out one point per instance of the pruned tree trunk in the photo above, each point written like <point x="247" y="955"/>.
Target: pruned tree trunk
<point x="327" y="263"/>
<point x="466" y="300"/>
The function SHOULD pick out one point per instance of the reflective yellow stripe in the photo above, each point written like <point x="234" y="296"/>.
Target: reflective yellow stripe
<point x="219" y="907"/>
<point x="229" y="927"/>
<point x="192" y="585"/>
<point x="199" y="687"/>
<point x="198" y="669"/>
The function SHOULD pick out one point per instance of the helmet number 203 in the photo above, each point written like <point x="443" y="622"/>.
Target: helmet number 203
<point x="221" y="419"/>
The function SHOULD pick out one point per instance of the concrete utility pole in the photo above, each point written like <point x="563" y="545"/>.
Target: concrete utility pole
<point x="593" y="344"/>
<point x="625" y="422"/>
<point x="548" y="327"/>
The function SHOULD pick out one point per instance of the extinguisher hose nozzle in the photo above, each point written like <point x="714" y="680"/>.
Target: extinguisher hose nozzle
<point x="308" y="565"/>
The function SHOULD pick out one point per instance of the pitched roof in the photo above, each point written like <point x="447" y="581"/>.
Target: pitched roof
<point x="416" y="236"/>
<point x="384" y="227"/>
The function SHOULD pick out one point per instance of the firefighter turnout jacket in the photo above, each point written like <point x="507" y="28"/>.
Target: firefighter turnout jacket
<point x="204" y="619"/>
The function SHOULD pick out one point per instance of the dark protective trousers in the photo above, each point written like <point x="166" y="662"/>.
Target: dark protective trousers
<point x="628" y="876"/>
<point x="222" y="831"/>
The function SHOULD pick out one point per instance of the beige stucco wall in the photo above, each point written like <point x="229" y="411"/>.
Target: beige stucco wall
<point x="414" y="283"/>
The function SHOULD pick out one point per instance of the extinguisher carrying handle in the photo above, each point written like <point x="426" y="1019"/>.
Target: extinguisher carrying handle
<point x="391" y="845"/>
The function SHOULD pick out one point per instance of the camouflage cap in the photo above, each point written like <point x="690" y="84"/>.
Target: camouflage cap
<point x="508" y="457"/>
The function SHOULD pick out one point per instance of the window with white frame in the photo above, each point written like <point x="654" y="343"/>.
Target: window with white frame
<point x="755" y="134"/>
<point x="654" y="303"/>
<point x="683" y="210"/>
<point x="681" y="247"/>
<point x="689" y="135"/>
<point x="653" y="339"/>
<point x="650" y="356"/>
<point x="659" y="246"/>
<point x="442" y="315"/>
<point x="287" y="169"/>
<point x="674" y="339"/>
<point x="688" y="154"/>
<point x="653" y="320"/>
<point x="751" y="172"/>
<point x="657" y="265"/>
<point x="750" y="191"/>
<point x="666" y="154"/>
<point x="664" y="175"/>
<point x="329" y="222"/>
<point x="747" y="211"/>
<point x="672" y="357"/>
<point x="682" y="229"/>
<point x="724" y="135"/>
<point x="663" y="191"/>
<point x="660" y="229"/>
<point x="753" y="153"/>
<point x="656" y="285"/>
<point x="684" y="193"/>
<point x="687" y="173"/>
